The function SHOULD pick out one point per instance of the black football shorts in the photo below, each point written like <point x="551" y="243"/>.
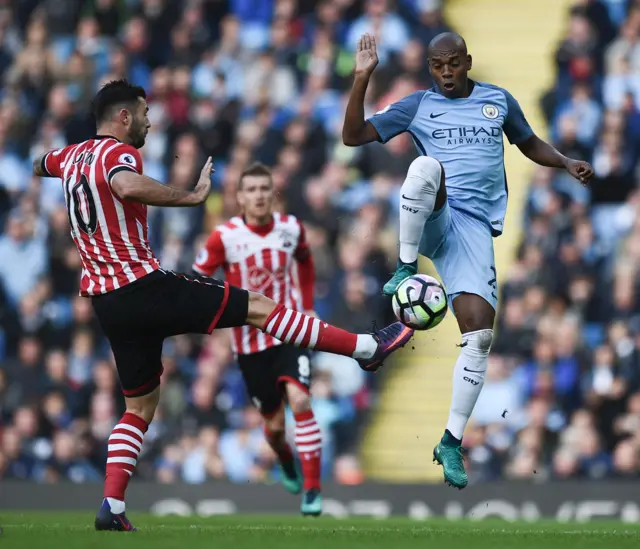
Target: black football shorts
<point x="139" y="316"/>
<point x="266" y="372"/>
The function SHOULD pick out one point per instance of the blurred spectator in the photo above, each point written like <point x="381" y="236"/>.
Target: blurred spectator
<point x="202" y="462"/>
<point x="500" y="395"/>
<point x="240" y="449"/>
<point x="265" y="81"/>
<point x="24" y="258"/>
<point x="66" y="462"/>
<point x="577" y="53"/>
<point x="625" y="459"/>
<point x="430" y="18"/>
<point x="391" y="31"/>
<point x="25" y="371"/>
<point x="625" y="50"/>
<point x="581" y="106"/>
<point x="13" y="173"/>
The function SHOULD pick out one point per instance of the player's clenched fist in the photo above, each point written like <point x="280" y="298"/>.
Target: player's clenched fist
<point x="580" y="169"/>
<point x="366" y="55"/>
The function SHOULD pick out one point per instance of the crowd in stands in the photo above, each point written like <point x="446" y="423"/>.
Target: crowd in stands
<point x="267" y="80"/>
<point x="565" y="367"/>
<point x="241" y="80"/>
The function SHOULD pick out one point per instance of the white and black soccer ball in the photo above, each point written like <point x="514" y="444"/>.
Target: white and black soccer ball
<point x="420" y="302"/>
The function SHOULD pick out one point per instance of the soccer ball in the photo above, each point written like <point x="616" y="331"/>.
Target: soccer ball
<point x="420" y="302"/>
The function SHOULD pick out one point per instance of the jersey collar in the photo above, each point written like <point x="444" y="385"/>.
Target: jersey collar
<point x="261" y="230"/>
<point x="100" y="136"/>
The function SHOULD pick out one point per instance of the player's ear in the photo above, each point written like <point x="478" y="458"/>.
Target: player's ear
<point x="469" y="62"/>
<point x="125" y="117"/>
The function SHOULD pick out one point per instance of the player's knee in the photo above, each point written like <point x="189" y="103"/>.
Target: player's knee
<point x="275" y="424"/>
<point x="299" y="400"/>
<point x="478" y="342"/>
<point x="473" y="313"/>
<point x="260" y="307"/>
<point x="256" y="301"/>
<point x="426" y="172"/>
<point x="144" y="406"/>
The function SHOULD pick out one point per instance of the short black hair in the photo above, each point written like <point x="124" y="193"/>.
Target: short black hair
<point x="448" y="40"/>
<point x="116" y="92"/>
<point x="257" y="168"/>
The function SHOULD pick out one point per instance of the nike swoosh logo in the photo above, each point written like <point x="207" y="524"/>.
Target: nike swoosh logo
<point x="432" y="115"/>
<point x="397" y="340"/>
<point x="473" y="371"/>
<point x="394" y="344"/>
<point x="412" y="199"/>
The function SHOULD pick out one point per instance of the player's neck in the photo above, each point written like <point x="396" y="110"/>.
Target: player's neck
<point x="259" y="224"/>
<point x="108" y="131"/>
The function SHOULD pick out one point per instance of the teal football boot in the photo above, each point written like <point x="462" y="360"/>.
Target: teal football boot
<point x="403" y="270"/>
<point x="311" y="505"/>
<point x="450" y="454"/>
<point x="291" y="476"/>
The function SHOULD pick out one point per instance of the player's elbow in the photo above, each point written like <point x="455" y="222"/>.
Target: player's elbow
<point x="351" y="138"/>
<point x="122" y="191"/>
<point x="350" y="134"/>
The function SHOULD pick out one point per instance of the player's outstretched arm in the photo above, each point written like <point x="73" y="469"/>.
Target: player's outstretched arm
<point x="356" y="130"/>
<point x="543" y="153"/>
<point x="129" y="185"/>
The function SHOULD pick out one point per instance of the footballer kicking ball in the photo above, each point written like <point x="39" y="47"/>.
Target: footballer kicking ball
<point x="420" y="302"/>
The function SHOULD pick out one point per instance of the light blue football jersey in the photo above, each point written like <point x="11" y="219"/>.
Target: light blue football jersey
<point x="465" y="135"/>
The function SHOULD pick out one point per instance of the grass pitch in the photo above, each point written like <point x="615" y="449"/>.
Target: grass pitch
<point x="75" y="531"/>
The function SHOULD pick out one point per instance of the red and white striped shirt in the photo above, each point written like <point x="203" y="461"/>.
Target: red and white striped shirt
<point x="261" y="259"/>
<point x="111" y="234"/>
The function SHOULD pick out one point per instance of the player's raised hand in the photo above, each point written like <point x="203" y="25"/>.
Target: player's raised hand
<point x="203" y="186"/>
<point x="581" y="170"/>
<point x="366" y="55"/>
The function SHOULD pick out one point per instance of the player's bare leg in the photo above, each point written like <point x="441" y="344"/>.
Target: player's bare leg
<point x="125" y="444"/>
<point x="274" y="430"/>
<point x="309" y="445"/>
<point x="422" y="193"/>
<point x="307" y="332"/>
<point x="475" y="318"/>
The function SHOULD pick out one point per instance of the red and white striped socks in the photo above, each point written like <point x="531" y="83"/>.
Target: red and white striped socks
<point x="309" y="446"/>
<point x="125" y="444"/>
<point x="304" y="331"/>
